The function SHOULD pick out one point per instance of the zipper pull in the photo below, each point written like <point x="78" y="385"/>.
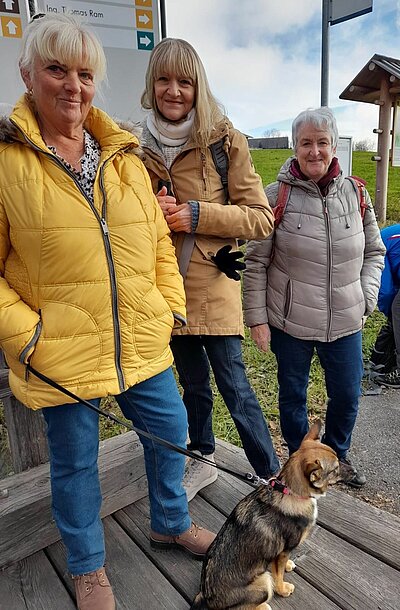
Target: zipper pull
<point x="203" y="163"/>
<point x="104" y="226"/>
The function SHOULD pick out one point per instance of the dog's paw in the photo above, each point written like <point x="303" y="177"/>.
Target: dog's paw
<point x="290" y="566"/>
<point x="285" y="590"/>
<point x="264" y="606"/>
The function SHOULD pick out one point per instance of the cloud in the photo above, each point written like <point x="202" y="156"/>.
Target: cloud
<point x="262" y="57"/>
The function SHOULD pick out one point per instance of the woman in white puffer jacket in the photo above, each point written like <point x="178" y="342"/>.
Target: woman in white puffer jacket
<point x="310" y="285"/>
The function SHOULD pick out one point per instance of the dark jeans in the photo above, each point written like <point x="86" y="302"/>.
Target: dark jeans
<point x="396" y="325"/>
<point x="343" y="366"/>
<point x="193" y="357"/>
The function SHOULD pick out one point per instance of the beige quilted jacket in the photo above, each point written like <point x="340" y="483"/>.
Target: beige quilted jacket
<point x="318" y="274"/>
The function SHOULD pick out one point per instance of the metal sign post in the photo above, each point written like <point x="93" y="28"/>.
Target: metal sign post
<point x="336" y="11"/>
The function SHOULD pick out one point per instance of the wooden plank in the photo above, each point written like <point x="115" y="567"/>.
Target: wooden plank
<point x="185" y="574"/>
<point x="345" y="574"/>
<point x="136" y="582"/>
<point x="26" y="435"/>
<point x="26" y="521"/>
<point x="369" y="528"/>
<point x="32" y="584"/>
<point x="4" y="386"/>
<point x="135" y="520"/>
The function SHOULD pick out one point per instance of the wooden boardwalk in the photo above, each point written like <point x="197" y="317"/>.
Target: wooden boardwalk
<point x="351" y="561"/>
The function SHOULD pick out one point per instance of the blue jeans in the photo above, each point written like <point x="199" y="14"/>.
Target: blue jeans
<point x="193" y="356"/>
<point x="343" y="366"/>
<point x="153" y="405"/>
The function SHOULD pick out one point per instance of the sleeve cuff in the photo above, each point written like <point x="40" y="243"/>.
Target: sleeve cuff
<point x="179" y="320"/>
<point x="195" y="206"/>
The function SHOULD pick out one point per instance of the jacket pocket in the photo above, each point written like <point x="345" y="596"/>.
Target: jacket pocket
<point x="69" y="346"/>
<point x="26" y="353"/>
<point x="152" y="326"/>
<point x="288" y="300"/>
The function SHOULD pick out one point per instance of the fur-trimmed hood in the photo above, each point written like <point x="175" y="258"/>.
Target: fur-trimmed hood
<point x="8" y="131"/>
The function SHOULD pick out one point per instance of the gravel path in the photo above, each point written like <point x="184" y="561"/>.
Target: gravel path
<point x="376" y="450"/>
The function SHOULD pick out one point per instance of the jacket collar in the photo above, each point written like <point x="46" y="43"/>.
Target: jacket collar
<point x="287" y="175"/>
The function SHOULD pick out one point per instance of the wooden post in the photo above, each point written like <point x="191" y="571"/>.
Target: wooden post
<point x="26" y="431"/>
<point x="382" y="170"/>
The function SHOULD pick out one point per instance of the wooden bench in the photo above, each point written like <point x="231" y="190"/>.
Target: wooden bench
<point x="350" y="562"/>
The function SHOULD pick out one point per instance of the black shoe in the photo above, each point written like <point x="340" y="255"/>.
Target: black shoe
<point x="349" y="475"/>
<point x="391" y="380"/>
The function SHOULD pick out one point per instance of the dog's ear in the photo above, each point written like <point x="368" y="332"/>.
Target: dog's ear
<point x="314" y="432"/>
<point x="314" y="473"/>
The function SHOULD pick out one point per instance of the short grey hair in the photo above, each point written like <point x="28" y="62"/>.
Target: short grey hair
<point x="64" y="39"/>
<point x="321" y="118"/>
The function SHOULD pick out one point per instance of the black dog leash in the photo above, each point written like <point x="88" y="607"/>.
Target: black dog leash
<point x="249" y="477"/>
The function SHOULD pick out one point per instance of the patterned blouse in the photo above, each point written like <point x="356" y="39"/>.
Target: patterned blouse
<point x="89" y="164"/>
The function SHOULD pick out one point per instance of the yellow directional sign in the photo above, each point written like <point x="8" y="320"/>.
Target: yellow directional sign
<point x="144" y="19"/>
<point x="143" y="2"/>
<point x="11" y="27"/>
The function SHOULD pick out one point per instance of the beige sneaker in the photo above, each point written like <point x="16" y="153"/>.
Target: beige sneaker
<point x="198" y="475"/>
<point x="195" y="541"/>
<point x="93" y="591"/>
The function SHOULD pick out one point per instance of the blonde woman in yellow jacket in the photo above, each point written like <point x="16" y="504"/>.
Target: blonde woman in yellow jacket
<point x="89" y="293"/>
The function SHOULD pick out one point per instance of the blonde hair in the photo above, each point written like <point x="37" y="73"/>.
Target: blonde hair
<point x="62" y="38"/>
<point x="176" y="56"/>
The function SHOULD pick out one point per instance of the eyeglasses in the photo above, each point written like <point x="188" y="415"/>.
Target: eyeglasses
<point x="37" y="16"/>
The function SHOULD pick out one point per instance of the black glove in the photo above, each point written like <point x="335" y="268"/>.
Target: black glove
<point x="227" y="262"/>
<point x="166" y="183"/>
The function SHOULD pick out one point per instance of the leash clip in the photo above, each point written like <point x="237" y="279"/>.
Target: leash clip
<point x="255" y="479"/>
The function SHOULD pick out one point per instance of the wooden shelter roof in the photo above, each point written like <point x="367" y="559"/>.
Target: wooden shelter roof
<point x="365" y="87"/>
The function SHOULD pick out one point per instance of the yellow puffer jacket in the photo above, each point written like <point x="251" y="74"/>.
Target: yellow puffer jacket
<point x="88" y="293"/>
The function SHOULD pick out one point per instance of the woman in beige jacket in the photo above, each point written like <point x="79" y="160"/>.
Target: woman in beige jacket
<point x="184" y="120"/>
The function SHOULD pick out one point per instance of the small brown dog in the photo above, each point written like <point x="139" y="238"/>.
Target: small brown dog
<point x="263" y="529"/>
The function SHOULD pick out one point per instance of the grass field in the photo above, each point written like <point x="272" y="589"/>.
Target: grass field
<point x="262" y="367"/>
<point x="269" y="162"/>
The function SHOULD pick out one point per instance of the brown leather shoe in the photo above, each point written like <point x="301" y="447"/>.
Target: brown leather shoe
<point x="93" y="591"/>
<point x="195" y="541"/>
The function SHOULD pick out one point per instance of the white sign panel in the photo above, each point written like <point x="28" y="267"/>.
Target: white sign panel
<point x="14" y="16"/>
<point x="344" y="153"/>
<point x="120" y="25"/>
<point x="396" y="136"/>
<point x="128" y="30"/>
<point x="342" y="10"/>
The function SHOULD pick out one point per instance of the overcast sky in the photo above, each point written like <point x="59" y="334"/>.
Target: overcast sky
<point x="262" y="57"/>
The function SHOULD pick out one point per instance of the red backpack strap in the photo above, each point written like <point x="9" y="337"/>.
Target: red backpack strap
<point x="360" y="184"/>
<point x="281" y="202"/>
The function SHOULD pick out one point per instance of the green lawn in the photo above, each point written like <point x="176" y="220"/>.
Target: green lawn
<point x="269" y="162"/>
<point x="262" y="367"/>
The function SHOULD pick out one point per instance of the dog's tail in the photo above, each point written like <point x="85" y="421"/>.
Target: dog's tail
<point x="199" y="603"/>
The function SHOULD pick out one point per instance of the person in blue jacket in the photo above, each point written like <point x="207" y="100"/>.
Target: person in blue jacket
<point x="389" y="296"/>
